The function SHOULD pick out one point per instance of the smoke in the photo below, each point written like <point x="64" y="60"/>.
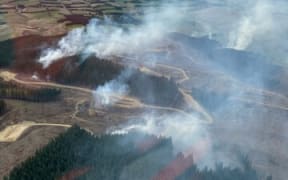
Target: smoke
<point x="106" y="95"/>
<point x="67" y="46"/>
<point x="242" y="117"/>
<point x="189" y="136"/>
<point x="255" y="23"/>
<point x="258" y="25"/>
<point x="104" y="39"/>
<point x="189" y="130"/>
<point x="185" y="131"/>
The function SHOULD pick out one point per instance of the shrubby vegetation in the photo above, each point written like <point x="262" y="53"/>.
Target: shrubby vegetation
<point x="113" y="157"/>
<point x="11" y="91"/>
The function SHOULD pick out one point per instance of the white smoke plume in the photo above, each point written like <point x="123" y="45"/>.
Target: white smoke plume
<point x="109" y="93"/>
<point x="184" y="130"/>
<point x="67" y="46"/>
<point x="259" y="26"/>
<point x="189" y="135"/>
<point x="105" y="39"/>
<point x="254" y="23"/>
<point x="105" y="95"/>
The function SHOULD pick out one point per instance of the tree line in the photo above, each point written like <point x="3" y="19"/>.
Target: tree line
<point x="2" y="107"/>
<point x="11" y="91"/>
<point x="106" y="156"/>
<point x="7" y="52"/>
<point x="110" y="156"/>
<point x="222" y="172"/>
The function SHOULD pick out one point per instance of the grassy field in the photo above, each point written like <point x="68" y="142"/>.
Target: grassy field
<point x="47" y="17"/>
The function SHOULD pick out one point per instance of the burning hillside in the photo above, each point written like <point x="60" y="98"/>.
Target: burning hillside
<point x="91" y="72"/>
<point x="203" y="73"/>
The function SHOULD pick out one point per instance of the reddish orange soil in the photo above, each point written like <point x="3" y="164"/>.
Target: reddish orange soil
<point x="73" y="174"/>
<point x="175" y="168"/>
<point x="75" y="19"/>
<point x="148" y="143"/>
<point x="27" y="50"/>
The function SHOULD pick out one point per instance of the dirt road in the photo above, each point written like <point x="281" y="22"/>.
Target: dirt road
<point x="126" y="101"/>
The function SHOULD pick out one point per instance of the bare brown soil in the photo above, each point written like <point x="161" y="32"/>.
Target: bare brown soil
<point x="75" y="19"/>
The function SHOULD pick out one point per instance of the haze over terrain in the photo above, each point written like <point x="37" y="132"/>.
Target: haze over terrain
<point x="210" y="75"/>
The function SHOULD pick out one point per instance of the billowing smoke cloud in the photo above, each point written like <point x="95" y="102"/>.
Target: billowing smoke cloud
<point x="189" y="135"/>
<point x="109" y="93"/>
<point x="189" y="130"/>
<point x="258" y="25"/>
<point x="241" y="116"/>
<point x="240" y="24"/>
<point x="67" y="46"/>
<point x="105" y="39"/>
<point x="105" y="95"/>
<point x="185" y="131"/>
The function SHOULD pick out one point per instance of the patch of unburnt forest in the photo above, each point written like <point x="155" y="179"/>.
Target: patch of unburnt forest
<point x="6" y="53"/>
<point x="78" y="154"/>
<point x="155" y="90"/>
<point x="103" y="156"/>
<point x="2" y="107"/>
<point x="12" y="91"/>
<point x="94" y="72"/>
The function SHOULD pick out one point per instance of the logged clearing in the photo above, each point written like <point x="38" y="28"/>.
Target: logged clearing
<point x="13" y="132"/>
<point x="7" y="76"/>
